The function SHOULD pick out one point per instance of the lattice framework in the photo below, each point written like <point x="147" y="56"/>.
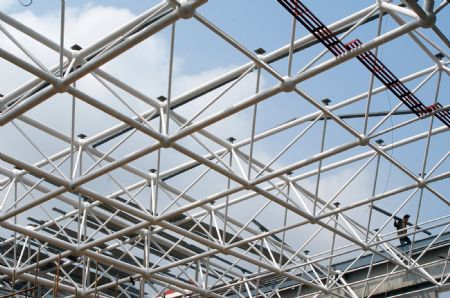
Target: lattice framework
<point x="166" y="225"/>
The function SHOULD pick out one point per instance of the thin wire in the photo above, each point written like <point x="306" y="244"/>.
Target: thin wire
<point x="392" y="149"/>
<point x="26" y="5"/>
<point x="392" y="124"/>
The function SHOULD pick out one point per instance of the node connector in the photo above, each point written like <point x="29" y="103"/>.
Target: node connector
<point x="187" y="9"/>
<point x="16" y="173"/>
<point x="147" y="274"/>
<point x="82" y="292"/>
<point x="363" y="140"/>
<point x="76" y="252"/>
<point x="71" y="187"/>
<point x="288" y="84"/>
<point x="85" y="206"/>
<point x="75" y="51"/>
<point x="60" y="86"/>
<point x="249" y="186"/>
<point x="426" y="19"/>
<point x="143" y="232"/>
<point x="80" y="143"/>
<point x="421" y="183"/>
<point x="429" y="21"/>
<point x="166" y="142"/>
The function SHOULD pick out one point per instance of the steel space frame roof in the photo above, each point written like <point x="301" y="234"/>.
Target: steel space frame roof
<point x="64" y="232"/>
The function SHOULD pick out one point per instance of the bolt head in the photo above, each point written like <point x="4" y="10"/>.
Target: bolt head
<point x="260" y="51"/>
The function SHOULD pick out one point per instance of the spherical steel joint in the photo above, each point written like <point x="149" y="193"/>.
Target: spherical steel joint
<point x="421" y="183"/>
<point x="429" y="21"/>
<point x="186" y="10"/>
<point x="143" y="232"/>
<point x="82" y="292"/>
<point x="60" y="86"/>
<point x="165" y="142"/>
<point x="75" y="55"/>
<point x="71" y="186"/>
<point x="81" y="143"/>
<point x="85" y="206"/>
<point x="147" y="274"/>
<point x="326" y="292"/>
<point x="288" y="84"/>
<point x="363" y="140"/>
<point x="249" y="186"/>
<point x="77" y="251"/>
<point x="16" y="173"/>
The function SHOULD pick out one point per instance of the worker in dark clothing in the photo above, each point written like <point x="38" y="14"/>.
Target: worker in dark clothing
<point x="401" y="225"/>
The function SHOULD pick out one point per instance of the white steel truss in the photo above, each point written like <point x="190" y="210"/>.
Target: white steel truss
<point x="213" y="191"/>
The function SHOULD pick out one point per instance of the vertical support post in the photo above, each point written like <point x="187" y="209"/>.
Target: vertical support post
<point x="291" y="48"/>
<point x="56" y="282"/>
<point x="379" y="142"/>
<point x="429" y="6"/>
<point x="299" y="289"/>
<point x="96" y="281"/>
<point x="158" y="164"/>
<point x="13" y="282"/>
<point x="253" y="129"/>
<point x="82" y="221"/>
<point x="227" y="199"/>
<point x="80" y="203"/>
<point x="332" y="246"/>
<point x="283" y="237"/>
<point x="36" y="275"/>
<point x="72" y="135"/>
<point x="322" y="146"/>
<point x="150" y="228"/>
<point x="258" y="281"/>
<point x="15" y="233"/>
<point x="209" y="248"/>
<point x="197" y="269"/>
<point x="146" y="261"/>
<point x="116" y="288"/>
<point x="61" y="49"/>
<point x="153" y="192"/>
<point x="169" y="85"/>
<point x="28" y="262"/>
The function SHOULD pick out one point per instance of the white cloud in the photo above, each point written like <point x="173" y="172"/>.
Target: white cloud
<point x="144" y="67"/>
<point x="6" y="4"/>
